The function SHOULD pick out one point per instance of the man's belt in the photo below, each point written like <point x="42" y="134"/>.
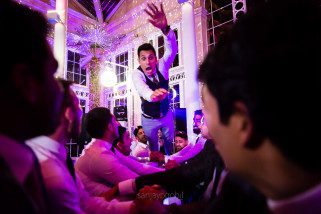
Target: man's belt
<point x="150" y="117"/>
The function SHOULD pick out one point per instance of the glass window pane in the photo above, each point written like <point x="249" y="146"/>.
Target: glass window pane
<point x="70" y="55"/>
<point x="77" y="78"/>
<point x="77" y="57"/>
<point x="76" y="68"/>
<point x="70" y="76"/>
<point x="121" y="70"/>
<point x="160" y="41"/>
<point x="70" y="66"/>
<point x="160" y="52"/>
<point x="176" y="61"/>
<point x="83" y="80"/>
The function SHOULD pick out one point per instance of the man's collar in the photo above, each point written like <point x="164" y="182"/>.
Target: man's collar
<point x="143" y="144"/>
<point x="50" y="145"/>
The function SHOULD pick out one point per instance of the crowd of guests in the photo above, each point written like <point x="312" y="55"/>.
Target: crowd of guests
<point x="256" y="147"/>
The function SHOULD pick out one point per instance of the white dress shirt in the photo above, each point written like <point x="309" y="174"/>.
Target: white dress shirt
<point x="99" y="168"/>
<point x="65" y="194"/>
<point x="164" y="64"/>
<point x="187" y="152"/>
<point x="141" y="150"/>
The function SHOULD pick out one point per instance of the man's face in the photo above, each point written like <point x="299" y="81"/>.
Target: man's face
<point x="197" y="123"/>
<point x="147" y="61"/>
<point x="159" y="134"/>
<point x="48" y="98"/>
<point x="77" y="113"/>
<point x="127" y="141"/>
<point x="226" y="137"/>
<point x="141" y="137"/>
<point x="204" y="130"/>
<point x="114" y="124"/>
<point x="180" y="143"/>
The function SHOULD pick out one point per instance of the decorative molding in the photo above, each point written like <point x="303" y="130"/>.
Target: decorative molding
<point x="177" y="77"/>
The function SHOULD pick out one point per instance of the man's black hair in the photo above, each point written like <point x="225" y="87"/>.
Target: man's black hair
<point x="274" y="68"/>
<point x="181" y="134"/>
<point x="136" y="130"/>
<point x="97" y="120"/>
<point x="145" y="47"/>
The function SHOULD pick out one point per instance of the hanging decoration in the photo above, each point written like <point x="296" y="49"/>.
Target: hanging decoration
<point x="94" y="42"/>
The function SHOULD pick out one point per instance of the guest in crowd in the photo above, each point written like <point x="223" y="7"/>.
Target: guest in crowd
<point x="151" y="82"/>
<point x="161" y="142"/>
<point x="181" y="141"/>
<point x="142" y="147"/>
<point x="205" y="188"/>
<point x="262" y="86"/>
<point x="123" y="142"/>
<point x="30" y="106"/>
<point x="99" y="166"/>
<point x="65" y="191"/>
<point x="134" y="140"/>
<point x="186" y="153"/>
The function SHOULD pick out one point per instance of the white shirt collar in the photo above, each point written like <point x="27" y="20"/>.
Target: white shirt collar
<point x="142" y="144"/>
<point x="102" y="143"/>
<point x="302" y="198"/>
<point x="50" y="145"/>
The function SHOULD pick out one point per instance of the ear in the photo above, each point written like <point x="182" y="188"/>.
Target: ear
<point x="242" y="122"/>
<point x="69" y="115"/>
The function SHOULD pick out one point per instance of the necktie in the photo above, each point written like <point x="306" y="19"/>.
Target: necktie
<point x="154" y="79"/>
<point x="197" y="140"/>
<point x="70" y="166"/>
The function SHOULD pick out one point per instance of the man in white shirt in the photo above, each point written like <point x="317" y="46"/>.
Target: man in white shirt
<point x="66" y="193"/>
<point x="142" y="147"/>
<point x="99" y="167"/>
<point x="187" y="152"/>
<point x="151" y="82"/>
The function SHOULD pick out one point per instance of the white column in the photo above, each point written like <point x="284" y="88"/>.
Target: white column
<point x="60" y="37"/>
<point x="190" y="63"/>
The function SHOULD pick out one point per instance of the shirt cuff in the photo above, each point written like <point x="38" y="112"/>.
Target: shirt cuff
<point x="148" y="96"/>
<point x="127" y="187"/>
<point x="166" y="158"/>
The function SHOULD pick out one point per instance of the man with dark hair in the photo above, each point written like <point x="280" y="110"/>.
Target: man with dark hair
<point x="151" y="82"/>
<point x="142" y="147"/>
<point x="31" y="100"/>
<point x="181" y="140"/>
<point x="198" y="115"/>
<point x="262" y="86"/>
<point x="100" y="166"/>
<point x="52" y="155"/>
<point x="65" y="190"/>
